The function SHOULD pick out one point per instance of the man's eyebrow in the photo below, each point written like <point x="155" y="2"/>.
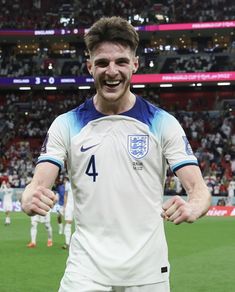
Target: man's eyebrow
<point x="123" y="59"/>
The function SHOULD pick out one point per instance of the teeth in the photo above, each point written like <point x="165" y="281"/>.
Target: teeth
<point x="112" y="82"/>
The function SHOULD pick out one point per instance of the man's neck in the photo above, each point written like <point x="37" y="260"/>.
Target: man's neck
<point x="116" y="107"/>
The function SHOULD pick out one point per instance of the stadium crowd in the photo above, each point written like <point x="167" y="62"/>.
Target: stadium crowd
<point x="25" y="118"/>
<point x="45" y="62"/>
<point x="211" y="134"/>
<point x="39" y="14"/>
<point x="193" y="53"/>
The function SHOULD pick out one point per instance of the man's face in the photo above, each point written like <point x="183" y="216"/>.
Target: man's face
<point x="112" y="66"/>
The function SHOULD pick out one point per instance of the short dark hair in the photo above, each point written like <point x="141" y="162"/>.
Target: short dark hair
<point x="112" y="29"/>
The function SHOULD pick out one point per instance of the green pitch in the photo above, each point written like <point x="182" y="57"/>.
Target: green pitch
<point x="29" y="270"/>
<point x="202" y="256"/>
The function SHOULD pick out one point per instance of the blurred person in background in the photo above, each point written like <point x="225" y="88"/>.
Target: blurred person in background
<point x="68" y="212"/>
<point x="231" y="190"/>
<point x="60" y="191"/>
<point x="7" y="191"/>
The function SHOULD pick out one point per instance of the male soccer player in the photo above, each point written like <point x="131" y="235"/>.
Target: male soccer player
<point x="117" y="148"/>
<point x="60" y="191"/>
<point x="7" y="201"/>
<point x="68" y="212"/>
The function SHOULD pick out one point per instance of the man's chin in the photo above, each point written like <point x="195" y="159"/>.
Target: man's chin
<point x="111" y="97"/>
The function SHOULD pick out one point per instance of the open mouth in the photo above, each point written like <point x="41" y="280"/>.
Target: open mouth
<point x="112" y="83"/>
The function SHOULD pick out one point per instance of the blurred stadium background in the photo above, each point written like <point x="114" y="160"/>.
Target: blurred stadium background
<point x="187" y="66"/>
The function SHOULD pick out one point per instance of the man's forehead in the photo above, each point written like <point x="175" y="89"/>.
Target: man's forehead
<point x="108" y="49"/>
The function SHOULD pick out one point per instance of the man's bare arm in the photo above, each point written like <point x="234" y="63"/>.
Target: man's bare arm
<point x="178" y="210"/>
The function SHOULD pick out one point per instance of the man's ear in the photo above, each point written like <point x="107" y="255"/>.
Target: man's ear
<point x="135" y="64"/>
<point x="89" y="66"/>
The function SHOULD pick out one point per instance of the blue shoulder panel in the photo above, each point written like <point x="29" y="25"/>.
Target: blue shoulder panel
<point x="86" y="112"/>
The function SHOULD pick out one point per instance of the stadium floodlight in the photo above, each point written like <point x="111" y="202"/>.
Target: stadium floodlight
<point x="50" y="88"/>
<point x="138" y="86"/>
<point x="166" y="85"/>
<point x="25" y="88"/>
<point x="84" y="87"/>
<point x="223" y="83"/>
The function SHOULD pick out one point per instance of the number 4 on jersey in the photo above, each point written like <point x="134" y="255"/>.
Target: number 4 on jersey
<point x="91" y="169"/>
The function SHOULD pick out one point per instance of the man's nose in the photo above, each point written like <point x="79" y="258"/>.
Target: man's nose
<point x="112" y="69"/>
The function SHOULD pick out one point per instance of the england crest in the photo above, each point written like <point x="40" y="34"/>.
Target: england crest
<point x="138" y="145"/>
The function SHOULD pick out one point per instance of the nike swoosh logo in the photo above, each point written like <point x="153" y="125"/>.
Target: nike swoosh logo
<point x="84" y="149"/>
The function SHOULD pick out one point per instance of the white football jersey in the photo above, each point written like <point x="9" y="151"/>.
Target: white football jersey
<point x="117" y="166"/>
<point x="7" y="198"/>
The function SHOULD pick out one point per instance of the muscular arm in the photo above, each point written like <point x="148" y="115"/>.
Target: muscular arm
<point x="38" y="198"/>
<point x="178" y="210"/>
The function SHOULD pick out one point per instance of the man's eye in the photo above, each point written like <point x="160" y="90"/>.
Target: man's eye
<point x="101" y="64"/>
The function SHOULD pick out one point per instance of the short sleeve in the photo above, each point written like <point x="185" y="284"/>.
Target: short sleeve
<point x="55" y="145"/>
<point x="174" y="143"/>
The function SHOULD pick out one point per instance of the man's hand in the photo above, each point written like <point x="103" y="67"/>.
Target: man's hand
<point x="177" y="210"/>
<point x="37" y="201"/>
<point x="198" y="201"/>
<point x="38" y="198"/>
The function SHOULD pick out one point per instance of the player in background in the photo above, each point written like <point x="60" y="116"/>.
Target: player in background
<point x="231" y="192"/>
<point x="117" y="148"/>
<point x="46" y="220"/>
<point x="7" y="191"/>
<point x="68" y="212"/>
<point x="60" y="190"/>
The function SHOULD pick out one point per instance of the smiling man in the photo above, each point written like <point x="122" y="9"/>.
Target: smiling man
<point x="117" y="148"/>
<point x="112" y="66"/>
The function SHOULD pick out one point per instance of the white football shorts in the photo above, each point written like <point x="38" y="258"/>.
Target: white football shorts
<point x="7" y="205"/>
<point x="41" y="219"/>
<point x="72" y="282"/>
<point x="59" y="209"/>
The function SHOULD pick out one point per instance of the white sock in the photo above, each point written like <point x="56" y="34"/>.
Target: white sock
<point x="67" y="233"/>
<point x="60" y="228"/>
<point x="33" y="232"/>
